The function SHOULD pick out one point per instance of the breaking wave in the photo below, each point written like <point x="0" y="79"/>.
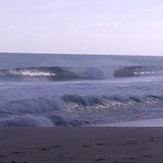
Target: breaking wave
<point x="136" y="71"/>
<point x="79" y="103"/>
<point x="26" y="121"/>
<point x="68" y="73"/>
<point x="52" y="73"/>
<point x="75" y="110"/>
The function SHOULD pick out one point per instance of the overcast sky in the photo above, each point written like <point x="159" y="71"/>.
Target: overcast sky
<point x="82" y="26"/>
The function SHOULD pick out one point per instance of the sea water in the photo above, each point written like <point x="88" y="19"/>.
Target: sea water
<point x="79" y="90"/>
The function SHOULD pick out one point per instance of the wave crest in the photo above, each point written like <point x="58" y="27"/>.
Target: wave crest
<point x="137" y="71"/>
<point x="74" y="73"/>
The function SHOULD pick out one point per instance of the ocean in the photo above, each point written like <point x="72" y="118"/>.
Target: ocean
<point x="46" y="90"/>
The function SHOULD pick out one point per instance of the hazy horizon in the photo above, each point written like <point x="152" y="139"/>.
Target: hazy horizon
<point x="84" y="54"/>
<point x="107" y="27"/>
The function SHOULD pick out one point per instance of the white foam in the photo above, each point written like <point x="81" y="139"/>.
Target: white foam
<point x="31" y="73"/>
<point x="26" y="121"/>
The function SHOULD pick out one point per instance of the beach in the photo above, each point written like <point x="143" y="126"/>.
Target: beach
<point x="80" y="109"/>
<point x="81" y="145"/>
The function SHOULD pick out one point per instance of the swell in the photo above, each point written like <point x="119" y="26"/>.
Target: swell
<point x="76" y="73"/>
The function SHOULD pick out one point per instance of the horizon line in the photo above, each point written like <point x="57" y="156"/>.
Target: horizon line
<point x="98" y="54"/>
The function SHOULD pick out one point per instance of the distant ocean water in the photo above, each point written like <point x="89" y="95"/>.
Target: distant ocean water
<point x="79" y="90"/>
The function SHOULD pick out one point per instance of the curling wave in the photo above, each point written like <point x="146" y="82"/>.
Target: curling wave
<point x="137" y="71"/>
<point x="52" y="73"/>
<point x="68" y="73"/>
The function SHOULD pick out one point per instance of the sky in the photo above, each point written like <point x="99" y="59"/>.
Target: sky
<point x="120" y="27"/>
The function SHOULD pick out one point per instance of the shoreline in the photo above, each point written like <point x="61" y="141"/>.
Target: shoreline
<point x="157" y="122"/>
<point x="81" y="145"/>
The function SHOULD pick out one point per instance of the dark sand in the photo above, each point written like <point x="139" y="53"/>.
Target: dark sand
<point x="81" y="145"/>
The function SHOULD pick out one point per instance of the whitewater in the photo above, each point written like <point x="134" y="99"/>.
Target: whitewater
<point x="52" y="90"/>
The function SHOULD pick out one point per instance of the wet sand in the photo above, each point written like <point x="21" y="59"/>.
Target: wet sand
<point x="81" y="145"/>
